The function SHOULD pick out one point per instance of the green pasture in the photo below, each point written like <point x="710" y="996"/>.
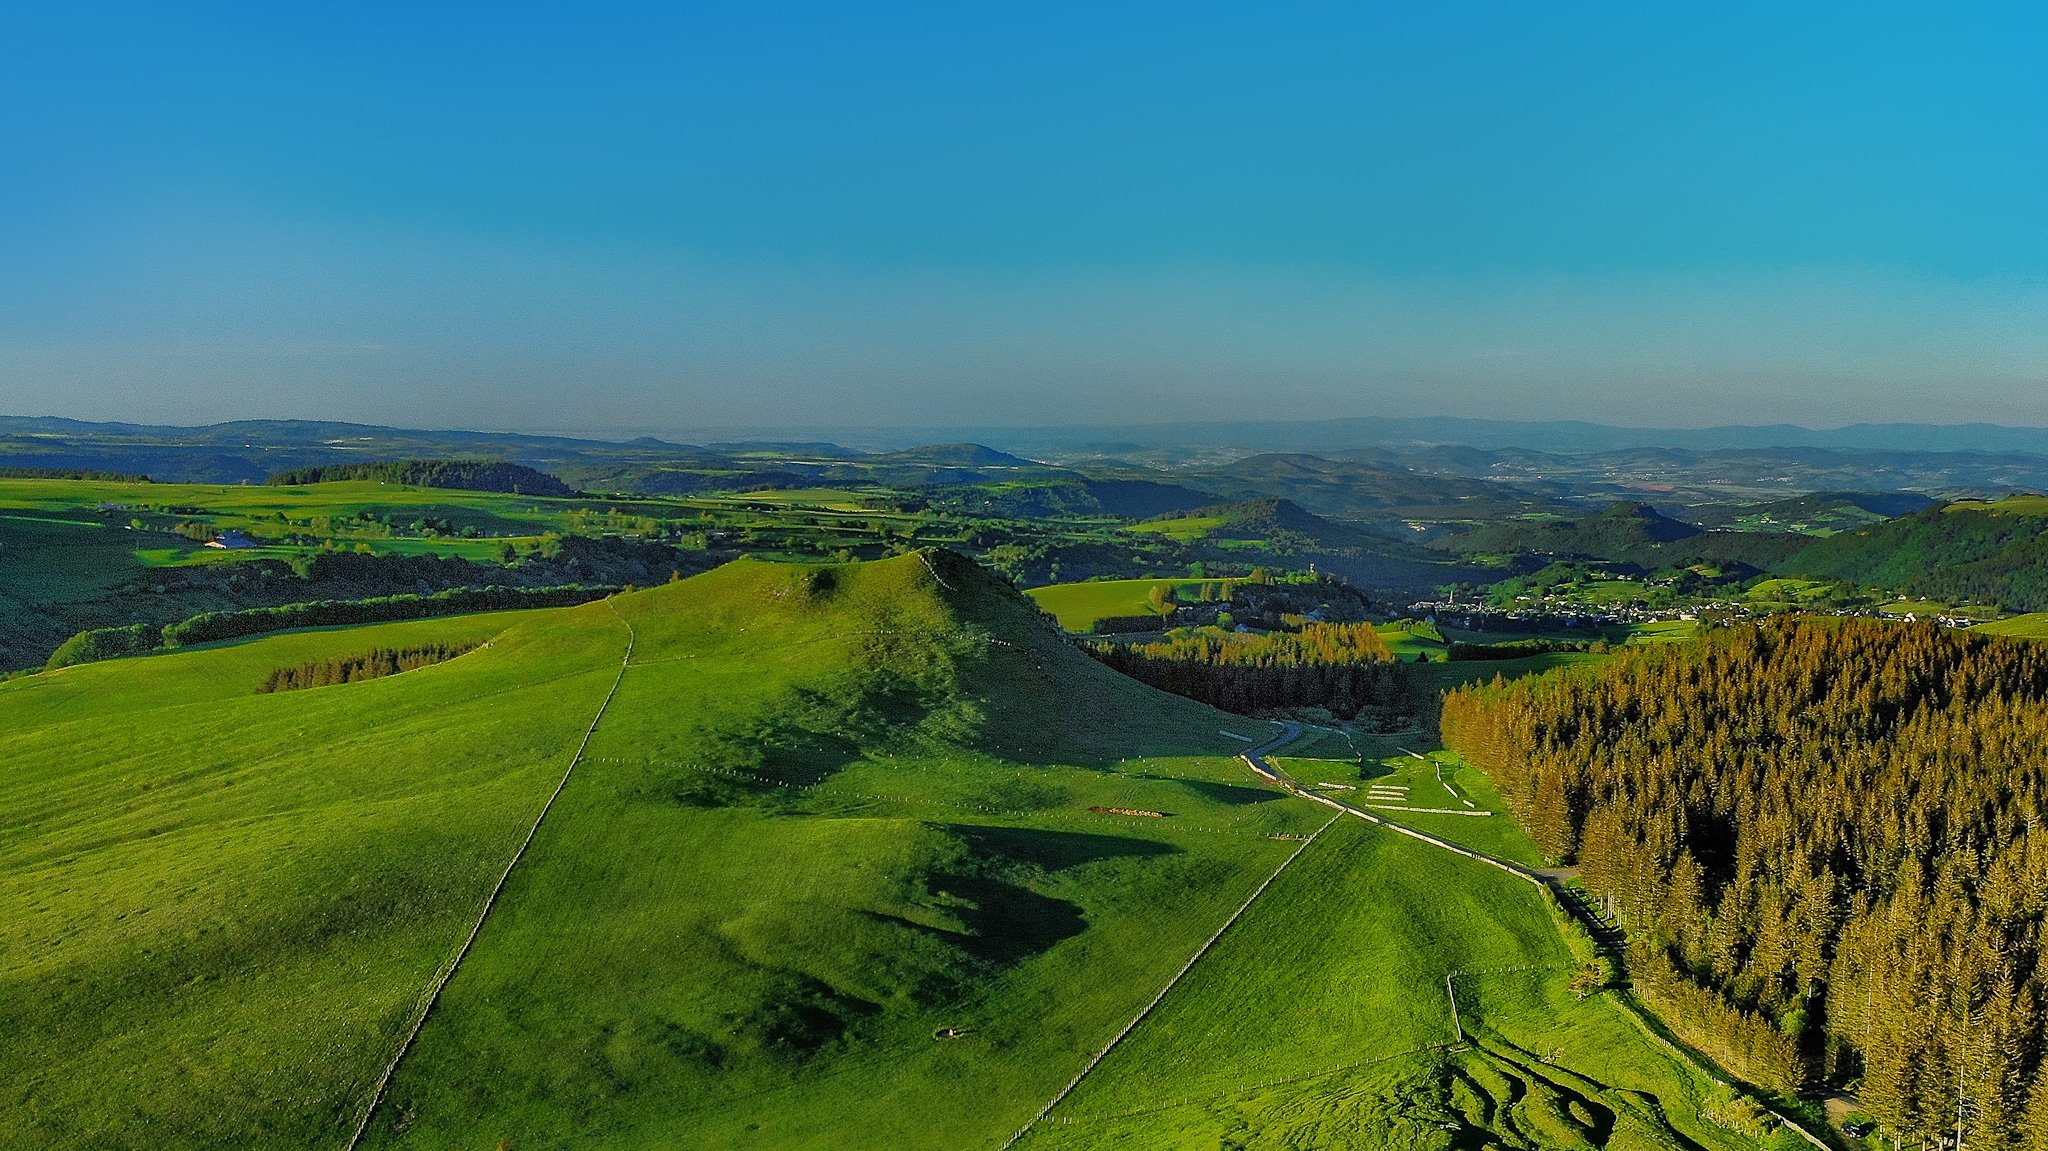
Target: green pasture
<point x="2017" y="505"/>
<point x="767" y="966"/>
<point x="221" y="906"/>
<point x="1663" y="631"/>
<point x="1184" y="529"/>
<point x="820" y="499"/>
<point x="1410" y="638"/>
<point x="1322" y="1019"/>
<point x="827" y="877"/>
<point x="257" y="508"/>
<point x="2031" y="626"/>
<point x="1079" y="605"/>
<point x="1387" y="762"/>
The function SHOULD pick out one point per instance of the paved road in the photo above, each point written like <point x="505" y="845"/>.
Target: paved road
<point x="1256" y="760"/>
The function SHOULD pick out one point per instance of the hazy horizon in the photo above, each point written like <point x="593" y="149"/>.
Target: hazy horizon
<point x="802" y="216"/>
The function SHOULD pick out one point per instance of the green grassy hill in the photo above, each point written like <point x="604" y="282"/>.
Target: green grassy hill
<point x="225" y="906"/>
<point x="834" y="870"/>
<point x="1968" y="551"/>
<point x="1626" y="532"/>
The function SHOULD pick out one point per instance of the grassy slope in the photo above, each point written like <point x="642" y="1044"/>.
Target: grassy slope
<point x="1342" y="962"/>
<point x="830" y="812"/>
<point x="2031" y="626"/>
<point x="1078" y="605"/>
<point x="221" y="905"/>
<point x="693" y="959"/>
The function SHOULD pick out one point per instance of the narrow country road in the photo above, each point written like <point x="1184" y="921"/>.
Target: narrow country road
<point x="1256" y="760"/>
<point x="1554" y="878"/>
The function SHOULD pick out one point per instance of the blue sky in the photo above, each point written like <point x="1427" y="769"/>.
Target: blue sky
<point x="622" y="218"/>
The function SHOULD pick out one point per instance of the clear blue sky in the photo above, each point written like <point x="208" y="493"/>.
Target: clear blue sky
<point x="592" y="217"/>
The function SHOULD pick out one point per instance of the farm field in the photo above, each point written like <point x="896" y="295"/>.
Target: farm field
<point x="222" y="905"/>
<point x="1181" y="527"/>
<point x="1396" y="785"/>
<point x="1079" y="605"/>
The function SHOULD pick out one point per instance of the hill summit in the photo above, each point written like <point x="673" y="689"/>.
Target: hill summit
<point x="729" y="852"/>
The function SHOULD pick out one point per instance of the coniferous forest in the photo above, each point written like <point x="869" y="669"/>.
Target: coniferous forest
<point x="374" y="664"/>
<point x="1334" y="665"/>
<point x="1822" y="839"/>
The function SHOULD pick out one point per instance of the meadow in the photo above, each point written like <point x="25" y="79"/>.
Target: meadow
<point x="225" y="880"/>
<point x="856" y="855"/>
<point x="2033" y="625"/>
<point x="222" y="905"/>
<point x="1323" y="1019"/>
<point x="1078" y="606"/>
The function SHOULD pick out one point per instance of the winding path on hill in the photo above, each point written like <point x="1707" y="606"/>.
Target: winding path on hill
<point x="442" y="976"/>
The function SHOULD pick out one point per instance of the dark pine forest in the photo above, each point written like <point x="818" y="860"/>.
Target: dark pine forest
<point x="1823" y="838"/>
<point x="1339" y="666"/>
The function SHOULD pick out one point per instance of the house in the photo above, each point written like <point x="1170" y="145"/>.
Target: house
<point x="233" y="541"/>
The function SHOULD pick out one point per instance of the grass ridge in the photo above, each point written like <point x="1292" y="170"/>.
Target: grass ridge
<point x="445" y="974"/>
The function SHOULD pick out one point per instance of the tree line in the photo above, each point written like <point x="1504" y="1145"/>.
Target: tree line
<point x="206" y="627"/>
<point x="1824" y="839"/>
<point x="373" y="664"/>
<point x="12" y="472"/>
<point x="1342" y="667"/>
<point x="466" y="475"/>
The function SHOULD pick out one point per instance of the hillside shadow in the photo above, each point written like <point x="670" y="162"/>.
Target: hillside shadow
<point x="1232" y="794"/>
<point x="1006" y="923"/>
<point x="1053" y="850"/>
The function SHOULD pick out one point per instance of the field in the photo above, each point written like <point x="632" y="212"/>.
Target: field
<point x="1079" y="605"/>
<point x="2031" y="626"/>
<point x="836" y="868"/>
<point x="222" y="905"/>
<point x="1408" y="639"/>
<point x="2019" y="505"/>
<point x="278" y="898"/>
<point x="1182" y="527"/>
<point x="1322" y="1020"/>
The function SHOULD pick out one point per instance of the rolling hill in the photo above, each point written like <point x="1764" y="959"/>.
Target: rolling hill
<point x="1968" y="551"/>
<point x="1625" y="532"/>
<point x="1356" y="490"/>
<point x="780" y="856"/>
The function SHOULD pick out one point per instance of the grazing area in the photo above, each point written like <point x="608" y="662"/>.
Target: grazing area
<point x="1080" y="606"/>
<point x="854" y="855"/>
<point x="222" y="905"/>
<point x="1322" y="1019"/>
<point x="842" y="779"/>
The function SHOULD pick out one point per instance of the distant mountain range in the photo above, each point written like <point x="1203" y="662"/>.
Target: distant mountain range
<point x="1548" y="436"/>
<point x="1434" y="470"/>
